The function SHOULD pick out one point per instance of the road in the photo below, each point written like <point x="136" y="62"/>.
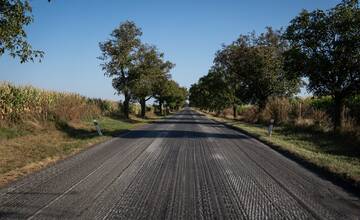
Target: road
<point x="182" y="167"/>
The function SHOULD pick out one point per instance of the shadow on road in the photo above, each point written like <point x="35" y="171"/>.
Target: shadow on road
<point x="80" y="133"/>
<point x="184" y="122"/>
<point x="180" y="134"/>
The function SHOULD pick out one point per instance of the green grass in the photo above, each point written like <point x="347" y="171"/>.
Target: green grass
<point x="7" y="133"/>
<point x="337" y="154"/>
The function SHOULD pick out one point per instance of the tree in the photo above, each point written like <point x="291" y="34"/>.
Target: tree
<point x="181" y="97"/>
<point x="160" y="91"/>
<point x="325" y="48"/>
<point x="149" y="68"/>
<point x="265" y="74"/>
<point x="14" y="16"/>
<point x="224" y="72"/>
<point x="197" y="97"/>
<point x="119" y="55"/>
<point x="212" y="92"/>
<point x="174" y="96"/>
<point x="253" y="68"/>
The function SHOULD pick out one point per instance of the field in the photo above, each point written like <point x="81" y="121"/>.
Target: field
<point x="39" y="127"/>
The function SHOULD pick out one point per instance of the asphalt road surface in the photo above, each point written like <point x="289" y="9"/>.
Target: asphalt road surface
<point x="182" y="167"/>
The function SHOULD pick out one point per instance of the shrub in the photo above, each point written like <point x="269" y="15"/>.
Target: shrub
<point x="135" y="108"/>
<point x="324" y="103"/>
<point x="276" y="108"/>
<point x="227" y="112"/>
<point x="321" y="120"/>
<point x="354" y="108"/>
<point x="249" y="113"/>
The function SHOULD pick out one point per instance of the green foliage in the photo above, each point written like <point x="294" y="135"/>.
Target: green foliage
<point x="174" y="96"/>
<point x="119" y="55"/>
<point x="138" y="70"/>
<point x="14" y="16"/>
<point x="322" y="46"/>
<point x="322" y="103"/>
<point x="325" y="48"/>
<point x="212" y="92"/>
<point x="254" y="67"/>
<point x="149" y="67"/>
<point x="148" y="70"/>
<point x="250" y="70"/>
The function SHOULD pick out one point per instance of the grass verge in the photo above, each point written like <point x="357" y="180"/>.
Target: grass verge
<point x="27" y="148"/>
<point x="334" y="157"/>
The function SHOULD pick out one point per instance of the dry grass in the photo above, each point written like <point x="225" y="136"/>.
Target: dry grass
<point x="39" y="127"/>
<point x="23" y="151"/>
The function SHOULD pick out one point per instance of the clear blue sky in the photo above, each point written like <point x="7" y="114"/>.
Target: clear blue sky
<point x="188" y="32"/>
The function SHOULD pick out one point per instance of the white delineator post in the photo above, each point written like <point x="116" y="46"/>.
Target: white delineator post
<point x="271" y="126"/>
<point x="97" y="126"/>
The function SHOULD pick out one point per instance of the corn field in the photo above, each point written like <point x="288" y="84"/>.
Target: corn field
<point x="19" y="103"/>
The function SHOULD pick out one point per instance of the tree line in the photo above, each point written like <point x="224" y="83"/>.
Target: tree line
<point x="139" y="71"/>
<point x="322" y="47"/>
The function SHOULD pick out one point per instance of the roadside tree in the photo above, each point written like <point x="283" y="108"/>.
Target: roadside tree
<point x="325" y="48"/>
<point x="148" y="70"/>
<point x="14" y="17"/>
<point x="119" y="55"/>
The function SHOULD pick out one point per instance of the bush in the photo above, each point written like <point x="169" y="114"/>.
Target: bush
<point x="321" y="120"/>
<point x="107" y="107"/>
<point x="276" y="108"/>
<point x="135" y="108"/>
<point x="324" y="103"/>
<point x="354" y="108"/>
<point x="249" y="113"/>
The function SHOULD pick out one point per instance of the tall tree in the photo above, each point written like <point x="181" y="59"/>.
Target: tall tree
<point x="119" y="55"/>
<point x="254" y="68"/>
<point x="266" y="75"/>
<point x="149" y="69"/>
<point x="14" y="16"/>
<point x="325" y="48"/>
<point x="224" y="72"/>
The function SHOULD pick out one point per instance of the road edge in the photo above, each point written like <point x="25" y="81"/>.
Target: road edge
<point x="47" y="163"/>
<point x="342" y="181"/>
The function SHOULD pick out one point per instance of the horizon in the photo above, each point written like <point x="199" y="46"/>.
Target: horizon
<point x="188" y="36"/>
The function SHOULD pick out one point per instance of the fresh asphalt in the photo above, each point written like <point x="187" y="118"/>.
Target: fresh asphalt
<point x="182" y="167"/>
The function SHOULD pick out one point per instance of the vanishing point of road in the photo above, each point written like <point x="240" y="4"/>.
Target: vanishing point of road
<point x="182" y="167"/>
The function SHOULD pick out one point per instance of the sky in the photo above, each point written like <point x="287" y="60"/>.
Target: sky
<point x="188" y="32"/>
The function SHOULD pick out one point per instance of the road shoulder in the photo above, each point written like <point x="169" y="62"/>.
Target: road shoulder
<point x="342" y="179"/>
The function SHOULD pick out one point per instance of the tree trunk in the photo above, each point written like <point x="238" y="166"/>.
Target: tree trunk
<point x="262" y="105"/>
<point x="235" y="111"/>
<point x="161" y="107"/>
<point x="126" y="105"/>
<point x="166" y="110"/>
<point x="339" y="114"/>
<point x="143" y="107"/>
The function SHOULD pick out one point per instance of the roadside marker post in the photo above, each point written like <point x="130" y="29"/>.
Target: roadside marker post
<point x="97" y="126"/>
<point x="271" y="126"/>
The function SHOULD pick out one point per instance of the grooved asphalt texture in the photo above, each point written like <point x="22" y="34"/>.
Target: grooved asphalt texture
<point x="183" y="167"/>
